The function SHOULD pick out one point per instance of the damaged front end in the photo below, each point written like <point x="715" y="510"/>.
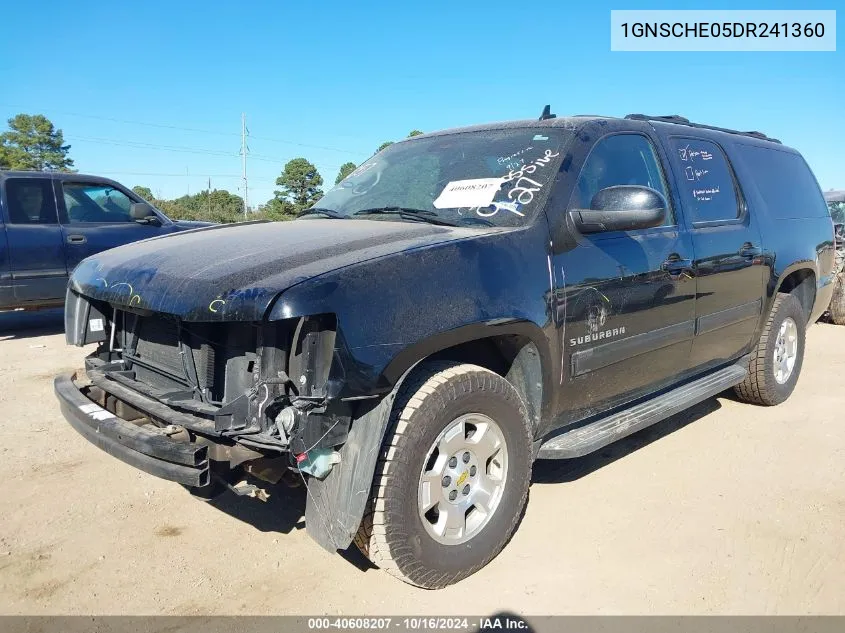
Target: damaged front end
<point x="205" y="403"/>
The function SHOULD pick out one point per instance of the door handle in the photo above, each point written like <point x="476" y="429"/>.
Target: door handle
<point x="749" y="250"/>
<point x="676" y="265"/>
<point x="76" y="239"/>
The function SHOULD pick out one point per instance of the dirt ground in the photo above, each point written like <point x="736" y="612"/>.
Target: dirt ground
<point x="727" y="508"/>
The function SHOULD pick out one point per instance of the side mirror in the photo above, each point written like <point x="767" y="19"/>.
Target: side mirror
<point x="621" y="208"/>
<point x="143" y="213"/>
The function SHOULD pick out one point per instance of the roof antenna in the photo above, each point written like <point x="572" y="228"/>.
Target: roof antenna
<point x="547" y="113"/>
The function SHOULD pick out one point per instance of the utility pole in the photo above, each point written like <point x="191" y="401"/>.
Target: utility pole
<point x="244" y="150"/>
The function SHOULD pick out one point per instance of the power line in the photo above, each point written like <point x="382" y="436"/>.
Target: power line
<point x="193" y="129"/>
<point x="130" y="122"/>
<point x="244" y="151"/>
<point x="277" y="161"/>
<point x="269" y="179"/>
<point x="143" y="145"/>
<point x="179" y="148"/>
<point x="324" y="147"/>
<point x="151" y="173"/>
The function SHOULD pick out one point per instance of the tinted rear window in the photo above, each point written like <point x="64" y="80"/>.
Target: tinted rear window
<point x="31" y="201"/>
<point x="785" y="182"/>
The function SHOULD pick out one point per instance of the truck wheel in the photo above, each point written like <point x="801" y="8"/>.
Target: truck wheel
<point x="837" y="302"/>
<point x="776" y="363"/>
<point x="452" y="480"/>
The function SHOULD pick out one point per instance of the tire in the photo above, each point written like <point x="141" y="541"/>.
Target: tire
<point x="837" y="302"/>
<point x="762" y="385"/>
<point x="435" y="398"/>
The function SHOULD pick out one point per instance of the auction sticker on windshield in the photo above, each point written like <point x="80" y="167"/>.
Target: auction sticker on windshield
<point x="477" y="192"/>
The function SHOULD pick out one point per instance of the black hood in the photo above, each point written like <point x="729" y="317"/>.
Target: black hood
<point x="233" y="272"/>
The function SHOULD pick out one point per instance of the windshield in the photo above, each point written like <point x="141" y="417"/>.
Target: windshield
<point x="492" y="178"/>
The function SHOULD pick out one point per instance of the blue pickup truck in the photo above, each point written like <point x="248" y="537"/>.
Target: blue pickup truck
<point x="49" y="222"/>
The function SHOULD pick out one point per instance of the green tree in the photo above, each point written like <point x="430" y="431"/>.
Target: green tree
<point x="33" y="143"/>
<point x="837" y="211"/>
<point x="345" y="170"/>
<point x="145" y="192"/>
<point x="300" y="182"/>
<point x="275" y="209"/>
<point x="219" y="206"/>
<point x="389" y="143"/>
<point x="216" y="206"/>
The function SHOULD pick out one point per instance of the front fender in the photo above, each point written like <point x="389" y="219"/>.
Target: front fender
<point x="421" y="350"/>
<point x="394" y="311"/>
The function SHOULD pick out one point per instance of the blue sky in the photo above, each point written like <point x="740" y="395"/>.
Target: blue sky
<point x="330" y="81"/>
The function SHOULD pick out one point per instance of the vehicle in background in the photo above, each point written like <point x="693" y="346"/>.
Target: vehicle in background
<point x="836" y="202"/>
<point x="51" y="221"/>
<point x="463" y="303"/>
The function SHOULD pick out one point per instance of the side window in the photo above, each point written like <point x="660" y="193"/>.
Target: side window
<point x="90" y="202"/>
<point x="785" y="182"/>
<point x="621" y="159"/>
<point x="30" y="201"/>
<point x="706" y="182"/>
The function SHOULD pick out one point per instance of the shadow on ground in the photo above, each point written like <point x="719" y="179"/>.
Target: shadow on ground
<point x="547" y="471"/>
<point x="21" y="324"/>
<point x="284" y="511"/>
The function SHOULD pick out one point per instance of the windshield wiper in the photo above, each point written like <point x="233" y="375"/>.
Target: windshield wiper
<point x="329" y="213"/>
<point x="407" y="213"/>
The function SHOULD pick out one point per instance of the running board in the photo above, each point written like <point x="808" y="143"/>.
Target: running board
<point x="586" y="439"/>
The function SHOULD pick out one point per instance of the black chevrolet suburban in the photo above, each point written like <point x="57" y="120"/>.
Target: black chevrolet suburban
<point x="462" y="304"/>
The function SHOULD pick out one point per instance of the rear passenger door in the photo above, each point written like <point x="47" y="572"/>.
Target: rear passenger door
<point x="36" y="249"/>
<point x="729" y="265"/>
<point x="95" y="217"/>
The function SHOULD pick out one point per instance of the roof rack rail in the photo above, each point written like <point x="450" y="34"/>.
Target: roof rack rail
<point x="680" y="120"/>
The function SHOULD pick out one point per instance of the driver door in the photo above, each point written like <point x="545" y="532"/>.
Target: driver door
<point x="628" y="297"/>
<point x="95" y="217"/>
